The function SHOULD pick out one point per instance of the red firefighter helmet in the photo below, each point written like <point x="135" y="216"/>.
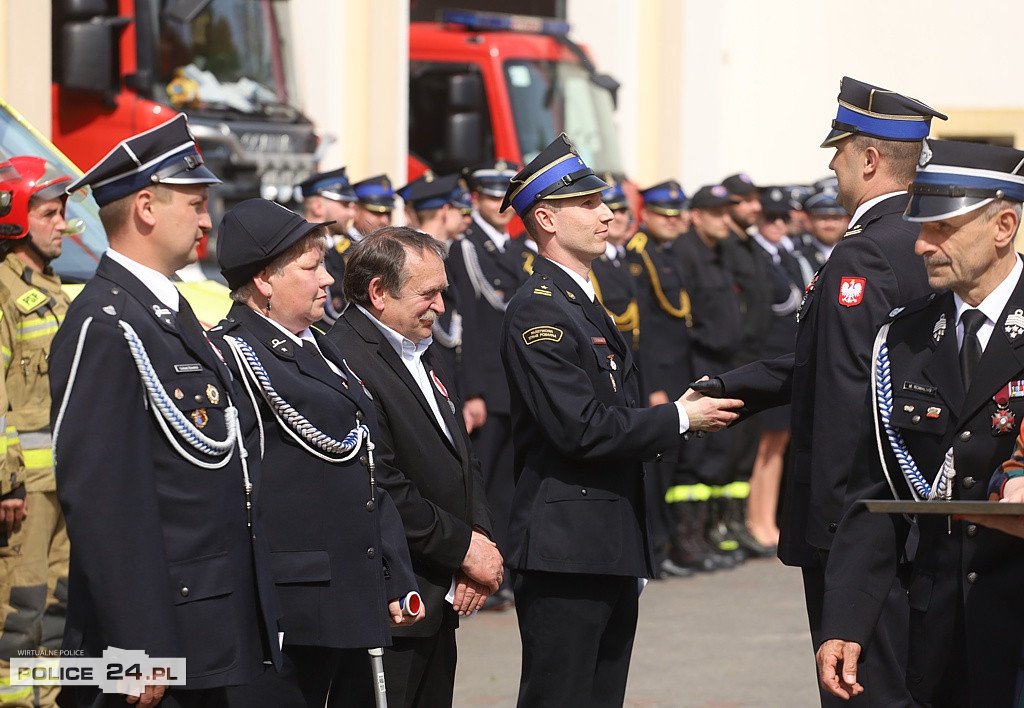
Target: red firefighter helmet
<point x="21" y="178"/>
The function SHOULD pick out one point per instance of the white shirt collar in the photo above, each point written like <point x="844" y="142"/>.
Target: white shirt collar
<point x="611" y="251"/>
<point x="863" y="208"/>
<point x="500" y="238"/>
<point x="406" y="348"/>
<point x="585" y="285"/>
<point x="304" y="336"/>
<point x="158" y="283"/>
<point x="992" y="306"/>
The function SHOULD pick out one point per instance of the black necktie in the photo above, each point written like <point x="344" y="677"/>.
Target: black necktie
<point x="970" y="349"/>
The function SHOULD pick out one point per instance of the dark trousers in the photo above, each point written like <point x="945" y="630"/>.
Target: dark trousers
<point x="577" y="634"/>
<point x="307" y="676"/>
<point x="882" y="668"/>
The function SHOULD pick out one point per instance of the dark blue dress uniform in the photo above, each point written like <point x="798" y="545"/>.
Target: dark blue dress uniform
<point x="578" y="527"/>
<point x="485" y="278"/>
<point x="871" y="270"/>
<point x="966" y="628"/>
<point x="665" y="311"/>
<point x="149" y="467"/>
<point x="333" y="185"/>
<point x="337" y="545"/>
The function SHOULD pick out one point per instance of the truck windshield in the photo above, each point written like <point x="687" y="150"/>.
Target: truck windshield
<point x="553" y="97"/>
<point x="84" y="239"/>
<point x="229" y="57"/>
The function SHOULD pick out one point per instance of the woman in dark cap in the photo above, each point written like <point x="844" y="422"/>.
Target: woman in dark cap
<point x="338" y="551"/>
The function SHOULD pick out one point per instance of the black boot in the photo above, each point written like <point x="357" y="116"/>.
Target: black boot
<point x="686" y="550"/>
<point x="736" y="522"/>
<point x="719" y="535"/>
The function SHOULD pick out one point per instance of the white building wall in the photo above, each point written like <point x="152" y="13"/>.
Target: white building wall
<point x="754" y="84"/>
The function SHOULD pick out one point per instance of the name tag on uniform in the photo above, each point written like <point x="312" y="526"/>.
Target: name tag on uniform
<point x="599" y="340"/>
<point x="188" y="368"/>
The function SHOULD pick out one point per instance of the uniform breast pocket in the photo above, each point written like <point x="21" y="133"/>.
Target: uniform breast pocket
<point x="920" y="415"/>
<point x="200" y="397"/>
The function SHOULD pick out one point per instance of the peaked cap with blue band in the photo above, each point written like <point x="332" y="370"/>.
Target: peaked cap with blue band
<point x="332" y="185"/>
<point x="613" y="197"/>
<point x="166" y="154"/>
<point x="879" y="113"/>
<point x="431" y="192"/>
<point x="491" y="178"/>
<point x="255" y="232"/>
<point x="823" y="203"/>
<point x="954" y="178"/>
<point x="558" y="172"/>
<point x="666" y="198"/>
<point x="375" y="193"/>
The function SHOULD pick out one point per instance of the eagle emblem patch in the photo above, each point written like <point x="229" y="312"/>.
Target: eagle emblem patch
<point x="851" y="291"/>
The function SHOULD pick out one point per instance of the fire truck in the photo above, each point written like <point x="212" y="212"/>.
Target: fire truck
<point x="485" y="86"/>
<point x="123" y="66"/>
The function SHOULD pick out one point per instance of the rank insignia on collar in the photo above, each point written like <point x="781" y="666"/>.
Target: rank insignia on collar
<point x="212" y="394"/>
<point x="570" y="295"/>
<point x="896" y="311"/>
<point x="280" y="345"/>
<point x="489" y="246"/>
<point x="939" y="329"/>
<point x="110" y="310"/>
<point x="1014" y="325"/>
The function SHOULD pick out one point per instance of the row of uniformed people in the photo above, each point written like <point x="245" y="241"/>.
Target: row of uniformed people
<point x="706" y="303"/>
<point x="219" y="488"/>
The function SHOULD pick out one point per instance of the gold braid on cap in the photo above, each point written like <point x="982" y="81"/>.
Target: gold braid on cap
<point x="638" y="245"/>
<point x="628" y="321"/>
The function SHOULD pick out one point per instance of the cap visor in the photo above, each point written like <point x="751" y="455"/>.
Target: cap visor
<point x="834" y="137"/>
<point x="923" y="207"/>
<point x="199" y="175"/>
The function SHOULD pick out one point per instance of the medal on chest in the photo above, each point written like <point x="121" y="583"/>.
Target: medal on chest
<point x="1003" y="420"/>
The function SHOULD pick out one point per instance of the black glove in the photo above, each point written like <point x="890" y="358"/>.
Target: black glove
<point x="712" y="387"/>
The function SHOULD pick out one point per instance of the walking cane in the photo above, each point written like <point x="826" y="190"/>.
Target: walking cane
<point x="377" y="666"/>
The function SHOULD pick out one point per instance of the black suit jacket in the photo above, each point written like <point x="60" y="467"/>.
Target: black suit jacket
<point x="980" y="569"/>
<point x="161" y="556"/>
<point x="435" y="483"/>
<point x="580" y="433"/>
<point x="827" y="379"/>
<point x="337" y="546"/>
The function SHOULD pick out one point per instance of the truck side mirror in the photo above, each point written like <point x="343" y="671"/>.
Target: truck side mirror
<point x="463" y="128"/>
<point x="463" y="136"/>
<point x="465" y="92"/>
<point x="87" y="46"/>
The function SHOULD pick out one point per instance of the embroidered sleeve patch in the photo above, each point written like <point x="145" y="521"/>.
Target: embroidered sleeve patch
<point x="544" y="333"/>
<point x="851" y="291"/>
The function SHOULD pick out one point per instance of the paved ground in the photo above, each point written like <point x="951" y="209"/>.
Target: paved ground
<point x="721" y="640"/>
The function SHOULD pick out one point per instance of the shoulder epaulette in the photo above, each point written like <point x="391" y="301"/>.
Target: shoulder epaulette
<point x="342" y="244"/>
<point x="910" y="308"/>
